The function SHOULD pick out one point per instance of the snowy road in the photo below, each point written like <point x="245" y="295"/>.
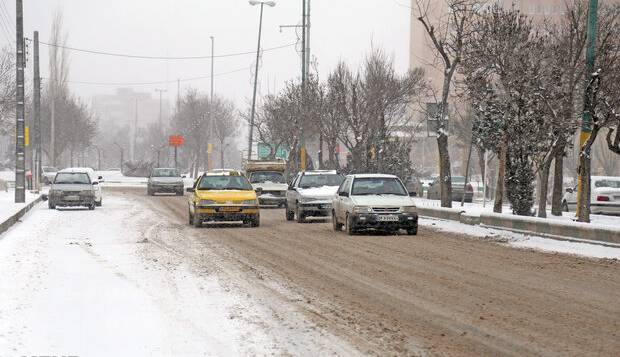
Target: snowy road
<point x="134" y="279"/>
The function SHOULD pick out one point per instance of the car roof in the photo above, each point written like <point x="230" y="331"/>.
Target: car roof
<point x="612" y="178"/>
<point x="373" y="176"/>
<point x="320" y="172"/>
<point x="85" y="170"/>
<point x="223" y="173"/>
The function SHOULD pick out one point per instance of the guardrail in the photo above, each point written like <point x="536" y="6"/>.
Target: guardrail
<point x="575" y="231"/>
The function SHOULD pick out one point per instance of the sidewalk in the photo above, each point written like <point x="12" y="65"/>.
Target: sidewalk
<point x="8" y="207"/>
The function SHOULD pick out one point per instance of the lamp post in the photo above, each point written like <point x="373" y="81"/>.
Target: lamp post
<point x="260" y="29"/>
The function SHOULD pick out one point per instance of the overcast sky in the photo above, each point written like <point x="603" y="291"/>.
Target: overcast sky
<point x="341" y="29"/>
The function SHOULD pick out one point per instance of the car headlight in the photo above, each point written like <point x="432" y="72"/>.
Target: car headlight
<point x="249" y="202"/>
<point x="409" y="209"/>
<point x="361" y="209"/>
<point x="206" y="202"/>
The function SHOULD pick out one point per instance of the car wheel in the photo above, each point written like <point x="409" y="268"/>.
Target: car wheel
<point x="301" y="217"/>
<point x="92" y="207"/>
<point x="179" y="193"/>
<point x="255" y="222"/>
<point x="191" y="218"/>
<point x="98" y="204"/>
<point x="350" y="229"/>
<point x="565" y="206"/>
<point x="290" y="215"/>
<point x="412" y="231"/>
<point x="196" y="221"/>
<point x="50" y="205"/>
<point x="337" y="226"/>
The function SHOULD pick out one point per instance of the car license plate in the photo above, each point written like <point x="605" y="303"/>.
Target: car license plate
<point x="388" y="218"/>
<point x="229" y="209"/>
<point x="72" y="198"/>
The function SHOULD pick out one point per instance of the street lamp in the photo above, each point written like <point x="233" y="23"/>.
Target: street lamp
<point x="260" y="29"/>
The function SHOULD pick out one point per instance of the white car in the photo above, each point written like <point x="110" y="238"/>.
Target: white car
<point x="47" y="174"/>
<point x="310" y="194"/>
<point x="374" y="201"/>
<point x="94" y="178"/>
<point x="604" y="196"/>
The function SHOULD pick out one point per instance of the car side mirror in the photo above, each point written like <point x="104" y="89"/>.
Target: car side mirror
<point x="190" y="189"/>
<point x="100" y="178"/>
<point x="183" y="176"/>
<point x="413" y="194"/>
<point x="343" y="194"/>
<point x="44" y="197"/>
<point x="290" y="187"/>
<point x="259" y="190"/>
<point x="95" y="183"/>
<point x="570" y="190"/>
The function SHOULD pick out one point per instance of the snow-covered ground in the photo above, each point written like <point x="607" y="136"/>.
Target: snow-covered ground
<point x="476" y="208"/>
<point x="86" y="283"/>
<point x="523" y="240"/>
<point x="8" y="207"/>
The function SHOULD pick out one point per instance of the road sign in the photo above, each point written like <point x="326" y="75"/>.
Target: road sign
<point x="176" y="140"/>
<point x="263" y="151"/>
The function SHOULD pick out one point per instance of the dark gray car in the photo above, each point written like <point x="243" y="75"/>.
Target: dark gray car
<point x="459" y="188"/>
<point x="72" y="189"/>
<point x="165" y="180"/>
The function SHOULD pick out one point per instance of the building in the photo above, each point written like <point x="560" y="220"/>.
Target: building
<point x="130" y="109"/>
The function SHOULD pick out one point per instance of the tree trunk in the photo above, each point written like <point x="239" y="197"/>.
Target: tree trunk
<point x="444" y="171"/>
<point x="543" y="187"/>
<point x="221" y="154"/>
<point x="501" y="177"/>
<point x="482" y="166"/>
<point x="558" y="181"/>
<point x="320" y="153"/>
<point x="584" y="194"/>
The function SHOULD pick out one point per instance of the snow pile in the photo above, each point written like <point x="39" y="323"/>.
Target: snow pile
<point x="8" y="207"/>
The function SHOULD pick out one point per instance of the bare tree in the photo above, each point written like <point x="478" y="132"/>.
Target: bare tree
<point x="59" y="74"/>
<point x="225" y="123"/>
<point x="448" y="35"/>
<point x="7" y="90"/>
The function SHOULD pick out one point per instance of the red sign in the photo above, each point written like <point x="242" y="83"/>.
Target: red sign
<point x="176" y="140"/>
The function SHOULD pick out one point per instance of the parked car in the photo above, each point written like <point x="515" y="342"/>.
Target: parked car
<point x="94" y="177"/>
<point x="47" y="174"/>
<point x="604" y="196"/>
<point x="72" y="188"/>
<point x="223" y="196"/>
<point x="414" y="186"/>
<point x="165" y="180"/>
<point x="374" y="201"/>
<point x="310" y="194"/>
<point x="459" y="188"/>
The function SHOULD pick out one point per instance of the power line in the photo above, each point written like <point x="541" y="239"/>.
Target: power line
<point x="96" y="52"/>
<point x="157" y="82"/>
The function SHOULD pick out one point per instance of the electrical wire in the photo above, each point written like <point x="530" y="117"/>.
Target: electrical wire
<point x="113" y="54"/>
<point x="157" y="82"/>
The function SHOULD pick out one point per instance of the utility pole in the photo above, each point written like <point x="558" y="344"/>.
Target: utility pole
<point x="583" y="187"/>
<point x="134" y="136"/>
<point x="160" y="91"/>
<point x="20" y="162"/>
<point x="37" y="114"/>
<point x="211" y="117"/>
<point x="253" y="110"/>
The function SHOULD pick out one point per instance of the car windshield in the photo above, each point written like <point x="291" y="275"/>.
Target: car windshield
<point x="224" y="183"/>
<point x="72" y="178"/>
<point x="308" y="181"/>
<point x="458" y="179"/>
<point x="607" y="183"/>
<point x="267" y="176"/>
<point x="165" y="173"/>
<point x="378" y="186"/>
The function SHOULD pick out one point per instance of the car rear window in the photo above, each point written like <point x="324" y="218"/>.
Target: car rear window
<point x="607" y="183"/>
<point x="72" y="178"/>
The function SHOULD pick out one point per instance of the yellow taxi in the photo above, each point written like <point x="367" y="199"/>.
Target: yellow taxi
<point x="223" y="196"/>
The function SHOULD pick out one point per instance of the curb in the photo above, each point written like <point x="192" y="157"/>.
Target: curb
<point x="564" y="231"/>
<point x="4" y="226"/>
